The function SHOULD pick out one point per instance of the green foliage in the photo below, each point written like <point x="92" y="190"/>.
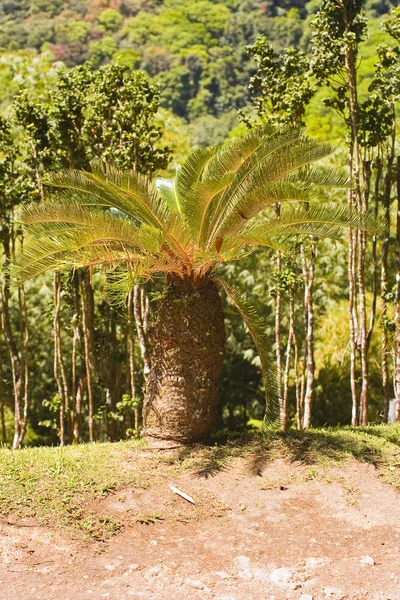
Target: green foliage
<point x="110" y="18"/>
<point x="104" y="114"/>
<point x="283" y="83"/>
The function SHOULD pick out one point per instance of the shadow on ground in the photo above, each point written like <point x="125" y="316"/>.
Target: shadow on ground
<point x="378" y="445"/>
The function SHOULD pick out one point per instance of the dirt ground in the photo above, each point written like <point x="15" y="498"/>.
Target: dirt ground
<point x="281" y="531"/>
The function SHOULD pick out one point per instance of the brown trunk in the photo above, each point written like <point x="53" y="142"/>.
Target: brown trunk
<point x="363" y="410"/>
<point x="18" y="357"/>
<point x="76" y="341"/>
<point x="131" y="352"/>
<point x="284" y="405"/>
<point x="356" y="265"/>
<point x="88" y="336"/>
<point x="397" y="296"/>
<point x="141" y="311"/>
<point x="183" y="387"/>
<point x="57" y="352"/>
<point x="385" y="289"/>
<point x="299" y="395"/>
<point x="2" y="406"/>
<point x="353" y="326"/>
<point x="308" y="272"/>
<point x="278" y="308"/>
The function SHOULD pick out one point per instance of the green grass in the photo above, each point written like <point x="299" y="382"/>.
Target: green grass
<point x="61" y="486"/>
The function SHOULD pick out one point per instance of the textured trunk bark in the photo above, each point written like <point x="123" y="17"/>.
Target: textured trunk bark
<point x="183" y="386"/>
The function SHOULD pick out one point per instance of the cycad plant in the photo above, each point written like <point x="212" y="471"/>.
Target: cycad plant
<point x="218" y="209"/>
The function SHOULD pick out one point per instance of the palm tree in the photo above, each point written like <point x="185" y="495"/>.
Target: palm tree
<point x="218" y="209"/>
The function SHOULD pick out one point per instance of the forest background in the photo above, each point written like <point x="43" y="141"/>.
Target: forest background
<point x="142" y="83"/>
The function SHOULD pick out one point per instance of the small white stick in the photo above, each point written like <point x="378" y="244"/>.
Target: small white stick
<point x="182" y="494"/>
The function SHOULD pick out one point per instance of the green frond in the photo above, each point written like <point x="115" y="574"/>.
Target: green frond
<point x="82" y="236"/>
<point x="167" y="190"/>
<point x="256" y="328"/>
<point x="322" y="177"/>
<point x="50" y="217"/>
<point x="269" y="166"/>
<point x="263" y="197"/>
<point x="200" y="199"/>
<point x="238" y="246"/>
<point x="191" y="172"/>
<point x="129" y="192"/>
<point x="207" y="176"/>
<point x="233" y="154"/>
<point x="121" y="280"/>
<point x="316" y="219"/>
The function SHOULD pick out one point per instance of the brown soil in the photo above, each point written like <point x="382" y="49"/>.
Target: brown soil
<point x="281" y="531"/>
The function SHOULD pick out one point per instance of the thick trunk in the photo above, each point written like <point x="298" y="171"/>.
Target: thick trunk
<point x="183" y="386"/>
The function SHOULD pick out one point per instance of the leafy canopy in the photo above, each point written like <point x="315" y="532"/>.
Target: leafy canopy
<point x="216" y="210"/>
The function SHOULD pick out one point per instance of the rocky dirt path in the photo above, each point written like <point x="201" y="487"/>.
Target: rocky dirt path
<point x="284" y="531"/>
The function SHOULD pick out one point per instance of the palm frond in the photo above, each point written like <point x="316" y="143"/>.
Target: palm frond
<point x="49" y="217"/>
<point x="82" y="236"/>
<point x="129" y="192"/>
<point x="316" y="219"/>
<point x="322" y="176"/>
<point x="120" y="281"/>
<point x="268" y="168"/>
<point x="256" y="328"/>
<point x="190" y="173"/>
<point x="167" y="190"/>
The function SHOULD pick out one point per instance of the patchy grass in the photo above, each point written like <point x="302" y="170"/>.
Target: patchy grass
<point x="60" y="486"/>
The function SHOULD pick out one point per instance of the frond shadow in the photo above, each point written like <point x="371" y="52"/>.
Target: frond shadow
<point x="212" y="463"/>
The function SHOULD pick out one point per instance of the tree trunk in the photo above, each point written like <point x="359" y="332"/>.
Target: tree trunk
<point x="76" y="343"/>
<point x="308" y="272"/>
<point x="285" y="399"/>
<point x="57" y="352"/>
<point x="397" y="296"/>
<point x="2" y="406"/>
<point x="384" y="290"/>
<point x="88" y="336"/>
<point x="141" y="311"/>
<point x="278" y="308"/>
<point x="183" y="386"/>
<point x="131" y="351"/>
